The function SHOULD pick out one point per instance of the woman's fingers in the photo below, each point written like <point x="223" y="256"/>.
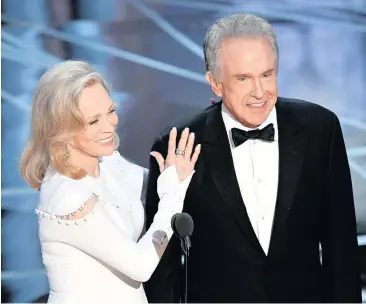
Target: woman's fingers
<point x="183" y="140"/>
<point x="186" y="144"/>
<point x="172" y="143"/>
<point x="189" y="147"/>
<point x="160" y="160"/>
<point x="196" y="153"/>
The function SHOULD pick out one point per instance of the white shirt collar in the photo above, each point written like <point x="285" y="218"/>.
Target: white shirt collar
<point x="231" y="122"/>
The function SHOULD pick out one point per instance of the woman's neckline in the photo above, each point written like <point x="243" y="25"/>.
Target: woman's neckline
<point x="100" y="161"/>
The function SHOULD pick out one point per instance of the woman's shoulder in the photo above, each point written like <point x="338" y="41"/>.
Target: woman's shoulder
<point x="118" y="162"/>
<point x="60" y="194"/>
<point x="126" y="172"/>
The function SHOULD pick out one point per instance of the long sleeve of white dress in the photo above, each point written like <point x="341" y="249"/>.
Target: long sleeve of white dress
<point x="98" y="236"/>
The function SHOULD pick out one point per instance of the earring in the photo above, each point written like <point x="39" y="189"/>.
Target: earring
<point x="67" y="153"/>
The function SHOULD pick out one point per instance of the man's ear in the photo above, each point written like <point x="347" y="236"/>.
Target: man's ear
<point x="215" y="86"/>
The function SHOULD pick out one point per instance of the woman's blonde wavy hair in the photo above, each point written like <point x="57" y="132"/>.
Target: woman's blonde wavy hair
<point x="56" y="119"/>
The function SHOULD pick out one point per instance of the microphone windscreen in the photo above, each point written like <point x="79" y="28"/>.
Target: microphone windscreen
<point x="172" y="223"/>
<point x="182" y="224"/>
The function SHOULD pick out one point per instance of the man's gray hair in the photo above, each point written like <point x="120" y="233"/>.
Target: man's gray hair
<point x="237" y="25"/>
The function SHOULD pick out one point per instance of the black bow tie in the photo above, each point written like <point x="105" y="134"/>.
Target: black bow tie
<point x="241" y="136"/>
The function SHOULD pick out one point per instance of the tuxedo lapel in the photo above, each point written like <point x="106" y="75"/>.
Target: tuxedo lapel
<point x="292" y="143"/>
<point x="216" y="150"/>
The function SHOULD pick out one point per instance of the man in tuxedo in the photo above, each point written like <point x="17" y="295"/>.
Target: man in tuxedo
<point x="272" y="185"/>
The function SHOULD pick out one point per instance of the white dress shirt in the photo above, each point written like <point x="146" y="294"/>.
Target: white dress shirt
<point x="256" y="167"/>
<point x="101" y="257"/>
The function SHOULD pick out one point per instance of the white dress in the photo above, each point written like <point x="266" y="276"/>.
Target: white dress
<point x="99" y="257"/>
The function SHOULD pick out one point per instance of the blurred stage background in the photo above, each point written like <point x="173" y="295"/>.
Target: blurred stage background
<point x="150" y="51"/>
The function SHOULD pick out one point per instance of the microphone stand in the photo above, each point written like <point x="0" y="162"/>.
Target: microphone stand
<point x="185" y="243"/>
<point x="182" y="225"/>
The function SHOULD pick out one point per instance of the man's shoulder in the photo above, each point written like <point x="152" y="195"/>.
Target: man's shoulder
<point x="307" y="112"/>
<point x="195" y="124"/>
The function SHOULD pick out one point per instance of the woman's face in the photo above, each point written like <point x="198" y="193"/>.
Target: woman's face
<point x="97" y="138"/>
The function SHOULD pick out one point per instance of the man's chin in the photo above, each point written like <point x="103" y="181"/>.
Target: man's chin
<point x="255" y="120"/>
<point x="259" y="118"/>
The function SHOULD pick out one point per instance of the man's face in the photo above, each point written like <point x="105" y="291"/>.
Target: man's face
<point x="248" y="82"/>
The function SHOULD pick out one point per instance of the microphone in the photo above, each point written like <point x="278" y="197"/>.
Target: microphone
<point x="182" y="225"/>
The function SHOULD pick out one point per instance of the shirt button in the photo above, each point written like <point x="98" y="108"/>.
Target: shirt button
<point x="262" y="218"/>
<point x="259" y="181"/>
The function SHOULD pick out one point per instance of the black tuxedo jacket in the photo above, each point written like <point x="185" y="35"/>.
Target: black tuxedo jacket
<point x="314" y="206"/>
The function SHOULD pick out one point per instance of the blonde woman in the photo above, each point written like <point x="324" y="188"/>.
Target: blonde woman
<point x="90" y="211"/>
